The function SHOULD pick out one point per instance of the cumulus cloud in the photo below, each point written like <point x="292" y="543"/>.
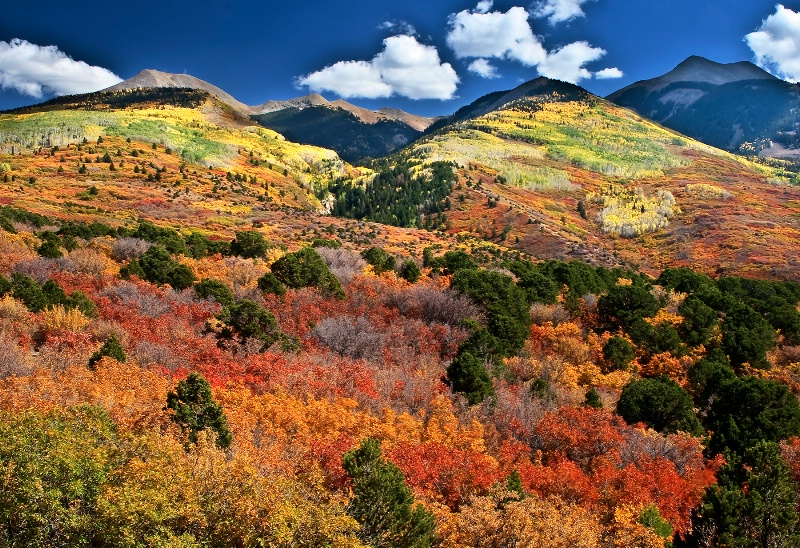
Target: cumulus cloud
<point x="483" y="68"/>
<point x="776" y="43"/>
<point x="484" y="6"/>
<point x="404" y="67"/>
<point x="567" y="62"/>
<point x="608" y="73"/>
<point x="35" y="70"/>
<point x="492" y="34"/>
<point x="399" y="26"/>
<point x="558" y="11"/>
<point x="495" y="34"/>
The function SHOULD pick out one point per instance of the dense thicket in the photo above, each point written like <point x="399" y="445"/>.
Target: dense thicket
<point x="397" y="196"/>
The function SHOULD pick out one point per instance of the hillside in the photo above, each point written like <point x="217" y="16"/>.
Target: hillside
<point x="207" y="340"/>
<point x="353" y="132"/>
<point x="558" y="172"/>
<point x="737" y="106"/>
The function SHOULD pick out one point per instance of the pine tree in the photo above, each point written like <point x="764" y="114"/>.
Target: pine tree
<point x="196" y="410"/>
<point x="382" y="503"/>
<point x="111" y="348"/>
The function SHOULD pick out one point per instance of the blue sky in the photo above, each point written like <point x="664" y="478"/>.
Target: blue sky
<point x="428" y="57"/>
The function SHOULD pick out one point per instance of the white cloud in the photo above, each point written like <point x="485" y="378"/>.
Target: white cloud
<point x="495" y="34"/>
<point x="608" y="73"/>
<point x="567" y="63"/>
<point x="558" y="11"/>
<point x="35" y="70"/>
<point x="776" y="43"/>
<point x="404" y="67"/>
<point x="484" y="6"/>
<point x="399" y="26"/>
<point x="485" y="35"/>
<point x="483" y="68"/>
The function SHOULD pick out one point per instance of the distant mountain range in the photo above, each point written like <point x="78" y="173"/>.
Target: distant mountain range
<point x="737" y="106"/>
<point x="352" y="131"/>
<point x="546" y="168"/>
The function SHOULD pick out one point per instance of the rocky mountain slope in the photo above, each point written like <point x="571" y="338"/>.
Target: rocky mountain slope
<point x="737" y="106"/>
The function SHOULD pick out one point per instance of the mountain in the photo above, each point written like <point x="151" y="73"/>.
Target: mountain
<point x="352" y="131"/>
<point x="736" y="106"/>
<point x="150" y="78"/>
<point x="553" y="170"/>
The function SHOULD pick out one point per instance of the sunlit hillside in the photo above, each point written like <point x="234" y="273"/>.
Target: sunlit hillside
<point x="561" y="172"/>
<point x="211" y="336"/>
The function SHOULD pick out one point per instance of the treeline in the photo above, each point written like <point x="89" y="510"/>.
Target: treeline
<point x="397" y="196"/>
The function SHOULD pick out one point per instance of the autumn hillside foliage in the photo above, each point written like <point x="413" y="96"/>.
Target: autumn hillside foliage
<point x="472" y="379"/>
<point x="207" y="339"/>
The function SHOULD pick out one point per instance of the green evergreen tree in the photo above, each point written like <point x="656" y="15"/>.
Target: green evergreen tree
<point x="746" y="410"/>
<point x="111" y="348"/>
<point x="592" y="399"/>
<point x="380" y="260"/>
<point x="661" y="404"/>
<point x="382" y="503"/>
<point x="410" y="271"/>
<point x="467" y="374"/>
<point x="195" y="410"/>
<point x="618" y="354"/>
<point x="753" y="504"/>
<point x="209" y="287"/>
<point x="306" y="268"/>
<point x="248" y="320"/>
<point x="269" y="283"/>
<point x="27" y="290"/>
<point x="249" y="244"/>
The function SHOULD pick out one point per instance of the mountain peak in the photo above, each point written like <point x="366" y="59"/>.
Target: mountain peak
<point x="699" y="69"/>
<point x="152" y="78"/>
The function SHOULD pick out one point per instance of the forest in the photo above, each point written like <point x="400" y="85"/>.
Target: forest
<point x="165" y="387"/>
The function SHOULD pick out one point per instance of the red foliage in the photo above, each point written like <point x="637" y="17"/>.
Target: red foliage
<point x="444" y="474"/>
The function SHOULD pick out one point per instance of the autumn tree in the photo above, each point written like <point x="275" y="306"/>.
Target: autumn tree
<point x="195" y="410"/>
<point x="382" y="503"/>
<point x="54" y="465"/>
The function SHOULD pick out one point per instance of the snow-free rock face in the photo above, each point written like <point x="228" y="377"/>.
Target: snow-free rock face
<point x="729" y="106"/>
<point x="150" y="78"/>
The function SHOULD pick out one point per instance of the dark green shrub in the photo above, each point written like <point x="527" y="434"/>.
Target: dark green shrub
<point x="27" y="290"/>
<point x="467" y="374"/>
<point x="618" y="354"/>
<point x="661" y="404"/>
<point x="220" y="292"/>
<point x="111" y="348"/>
<point x="305" y="268"/>
<point x="269" y="283"/>
<point x="195" y="410"/>
<point x="249" y="244"/>
<point x="410" y="271"/>
<point x="379" y="259"/>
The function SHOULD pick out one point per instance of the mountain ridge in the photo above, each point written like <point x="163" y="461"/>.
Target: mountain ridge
<point x="154" y="78"/>
<point x="738" y="107"/>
